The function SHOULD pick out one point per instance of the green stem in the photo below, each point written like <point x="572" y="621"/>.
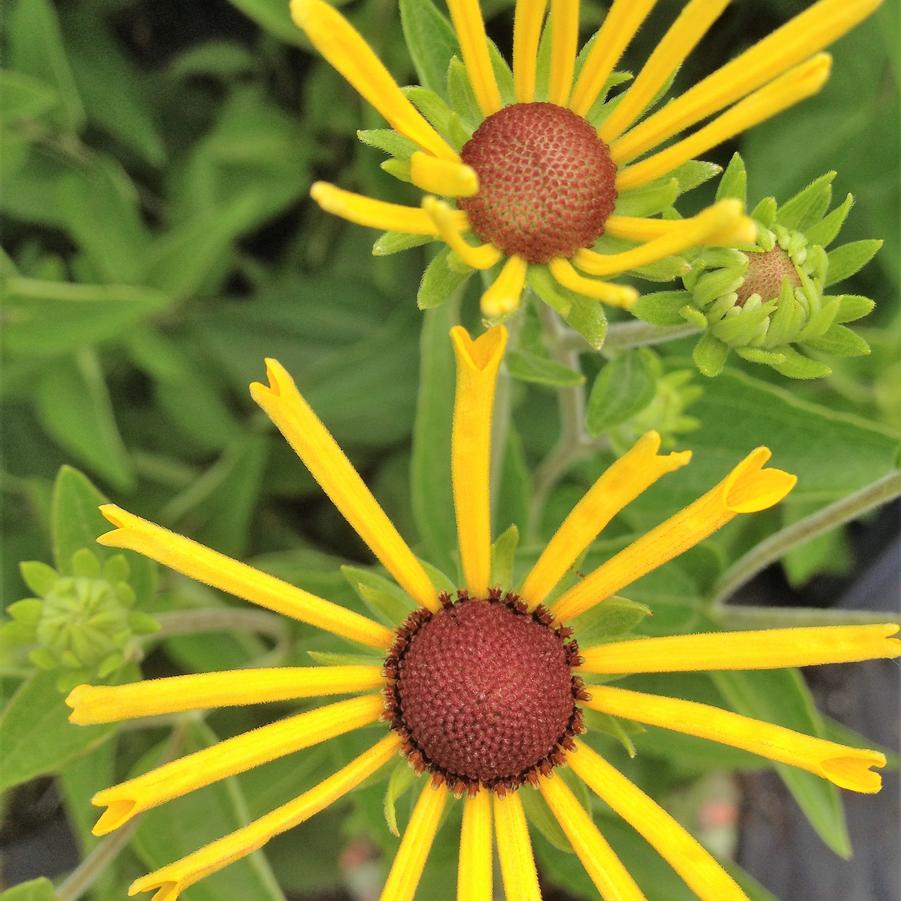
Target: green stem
<point x="623" y="335"/>
<point x="776" y="546"/>
<point x="747" y="617"/>
<point x="80" y="880"/>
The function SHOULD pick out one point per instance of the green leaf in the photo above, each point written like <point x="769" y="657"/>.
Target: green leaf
<point x="389" y="141"/>
<point x="440" y="281"/>
<point x="395" y="242"/>
<point x="430" y="40"/>
<point x="844" y="261"/>
<point x="734" y="183"/>
<point x="662" y="308"/>
<point x="74" y="408"/>
<point x="38" y="738"/>
<point x="710" y="354"/>
<point x="852" y="307"/>
<point x="503" y="555"/>
<point x="539" y="815"/>
<point x="24" y="97"/>
<point x="826" y="231"/>
<point x="623" y="388"/>
<point x="586" y="316"/>
<point x="515" y="489"/>
<point x="35" y="890"/>
<point x="384" y="598"/>
<point x="399" y="783"/>
<point x="531" y="367"/>
<point x="614" y="727"/>
<point x="802" y="210"/>
<point x="781" y="697"/>
<point x="273" y="16"/>
<point x="796" y="366"/>
<point x="613" y="618"/>
<point x="839" y="341"/>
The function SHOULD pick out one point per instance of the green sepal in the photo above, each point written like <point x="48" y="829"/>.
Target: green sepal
<point x="711" y="285"/>
<point x="765" y="212"/>
<point x="797" y="366"/>
<point x="440" y="281"/>
<point x="116" y="569"/>
<point x="759" y="355"/>
<point x="385" y="600"/>
<point x="388" y="140"/>
<point x="826" y="230"/>
<point x="440" y="579"/>
<point x="439" y="115"/>
<point x="532" y="367"/>
<point x="142" y="623"/>
<point x="396" y="242"/>
<point x="710" y="355"/>
<point x="734" y="183"/>
<point x="852" y="307"/>
<point x="399" y="169"/>
<point x="844" y="261"/>
<point x="460" y="93"/>
<point x="539" y="815"/>
<point x="839" y="341"/>
<point x="27" y="611"/>
<point x="665" y="270"/>
<point x="808" y="206"/>
<point x="661" y="308"/>
<point x="623" y="388"/>
<point x="694" y="173"/>
<point x="335" y="658"/>
<point x="694" y="317"/>
<point x="648" y="200"/>
<point x="400" y="782"/>
<point x="503" y="556"/>
<point x="430" y="39"/>
<point x="583" y="314"/>
<point x="43" y="658"/>
<point x="621" y="730"/>
<point x="39" y="577"/>
<point x="788" y="317"/>
<point x="612" y="619"/>
<point x="745" y="327"/>
<point x="85" y="564"/>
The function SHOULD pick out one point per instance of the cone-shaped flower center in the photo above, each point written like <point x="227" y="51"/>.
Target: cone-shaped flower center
<point x="546" y="181"/>
<point x="483" y="693"/>
<point x="765" y="273"/>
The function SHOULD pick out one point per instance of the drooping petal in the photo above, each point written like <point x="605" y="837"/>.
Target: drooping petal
<point x="638" y="228"/>
<point x="612" y="295"/>
<point x="526" y="34"/>
<point x="230" y="757"/>
<point x="806" y="34"/>
<point x="514" y="849"/>
<point x="843" y="766"/>
<point x="474" y="877"/>
<point x="564" y="41"/>
<point x="691" y="25"/>
<point x="208" y="566"/>
<point x="622" y="21"/>
<point x="623" y="481"/>
<point x="470" y="27"/>
<point x="482" y="256"/>
<point x="337" y="477"/>
<point x="604" y="868"/>
<point x="174" y="878"/>
<point x="445" y="177"/>
<point x="347" y="51"/>
<point x="411" y="856"/>
<point x="685" y="854"/>
<point x="505" y="293"/>
<point x="749" y="488"/>
<point x="757" y="649"/>
<point x="152" y="697"/>
<point x="796" y="85"/>
<point x="477" y="367"/>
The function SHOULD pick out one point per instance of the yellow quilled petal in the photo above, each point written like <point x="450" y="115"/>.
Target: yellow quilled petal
<point x="636" y="228"/>
<point x="215" y="569"/>
<point x="845" y="767"/>
<point x="477" y="367"/>
<point x="612" y="295"/>
<point x="171" y="880"/>
<point x="483" y="256"/>
<point x="757" y="649"/>
<point x="514" y="849"/>
<point x="347" y="52"/>
<point x="527" y="22"/>
<point x="806" y="34"/>
<point x="230" y="757"/>
<point x="445" y="177"/>
<point x="337" y="477"/>
<point x="796" y="85"/>
<point x="604" y="868"/>
<point x="723" y="218"/>
<point x="623" y="481"/>
<point x="701" y="872"/>
<point x="749" y="488"/>
<point x="474" y="877"/>
<point x="564" y="41"/>
<point x="470" y="27"/>
<point x="618" y="28"/>
<point x="153" y="697"/>
<point x="505" y="293"/>
<point x="409" y="862"/>
<point x="683" y="36"/>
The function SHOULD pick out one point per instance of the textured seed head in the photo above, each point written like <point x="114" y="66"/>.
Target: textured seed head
<point x="765" y="273"/>
<point x="484" y="694"/>
<point x="546" y="181"/>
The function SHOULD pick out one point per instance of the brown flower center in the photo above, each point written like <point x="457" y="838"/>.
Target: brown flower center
<point x="546" y="181"/>
<point x="765" y="273"/>
<point x="483" y="692"/>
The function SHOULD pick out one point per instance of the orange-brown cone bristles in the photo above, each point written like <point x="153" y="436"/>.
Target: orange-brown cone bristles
<point x="765" y="273"/>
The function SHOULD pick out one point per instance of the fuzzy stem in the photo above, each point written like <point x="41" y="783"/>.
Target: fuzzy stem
<point x="80" y="880"/>
<point x="748" y="617"/>
<point x="623" y="335"/>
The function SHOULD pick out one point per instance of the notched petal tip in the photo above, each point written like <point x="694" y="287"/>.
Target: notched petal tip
<point x="166" y="889"/>
<point x="482" y="353"/>
<point x="277" y="377"/>
<point x="73" y="700"/>
<point x="118" y="812"/>
<point x="853" y="771"/>
<point x="114" y="514"/>
<point x="750" y="488"/>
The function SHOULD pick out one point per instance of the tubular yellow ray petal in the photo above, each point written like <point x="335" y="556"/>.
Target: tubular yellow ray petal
<point x="604" y="868"/>
<point x="152" y="697"/>
<point x="474" y="877"/>
<point x="756" y="649"/>
<point x="697" y="867"/>
<point x="811" y="31"/>
<point x="470" y="27"/>
<point x="683" y="36"/>
<point x="749" y="488"/>
<point x="446" y="177"/>
<point x="564" y="41"/>
<point x="721" y="218"/>
<point x="515" y="850"/>
<point x="367" y="211"/>
<point x="789" y="89"/>
<point x="337" y="477"/>
<point x="477" y="366"/>
<point x="845" y="767"/>
<point x="483" y="256"/>
<point x="504" y="294"/>
<point x="410" y="859"/>
<point x="618" y="28"/>
<point x="215" y="569"/>
<point x="526" y="34"/>
<point x="169" y="881"/>
<point x="347" y="51"/>
<point x="623" y="481"/>
<point x="230" y="757"/>
<point x="613" y="295"/>
<point x="636" y="228"/>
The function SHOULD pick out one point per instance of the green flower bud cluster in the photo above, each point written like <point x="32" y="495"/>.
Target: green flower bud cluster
<point x="83" y="624"/>
<point x="768" y="301"/>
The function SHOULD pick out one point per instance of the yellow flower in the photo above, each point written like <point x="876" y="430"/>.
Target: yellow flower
<point x="541" y="178"/>
<point x="517" y="714"/>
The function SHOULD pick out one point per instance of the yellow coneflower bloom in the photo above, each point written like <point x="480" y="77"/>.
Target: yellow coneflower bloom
<point x="544" y="172"/>
<point x="517" y="714"/>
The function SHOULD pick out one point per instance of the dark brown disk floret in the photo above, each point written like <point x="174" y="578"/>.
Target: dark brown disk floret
<point x="482" y="692"/>
<point x="547" y="183"/>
